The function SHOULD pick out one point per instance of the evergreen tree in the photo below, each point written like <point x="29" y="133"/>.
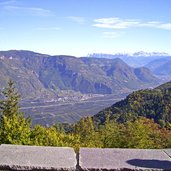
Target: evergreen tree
<point x="14" y="128"/>
<point x="9" y="106"/>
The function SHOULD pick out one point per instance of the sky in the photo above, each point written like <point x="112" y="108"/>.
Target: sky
<point x="81" y="27"/>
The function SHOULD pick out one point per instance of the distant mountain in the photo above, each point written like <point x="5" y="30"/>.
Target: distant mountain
<point x="137" y="59"/>
<point x="160" y="67"/>
<point x="44" y="76"/>
<point x="122" y="74"/>
<point x="153" y="104"/>
<point x="149" y="54"/>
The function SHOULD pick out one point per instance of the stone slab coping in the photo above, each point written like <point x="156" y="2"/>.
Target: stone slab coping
<point x="124" y="159"/>
<point x="20" y="157"/>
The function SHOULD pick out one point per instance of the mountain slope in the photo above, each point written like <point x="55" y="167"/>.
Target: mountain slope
<point x="12" y="66"/>
<point x="45" y="76"/>
<point x="119" y="72"/>
<point x="153" y="104"/>
<point x="144" y="74"/>
<point x="160" y="66"/>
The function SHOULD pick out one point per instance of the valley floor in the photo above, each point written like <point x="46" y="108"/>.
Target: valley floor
<point x="48" y="113"/>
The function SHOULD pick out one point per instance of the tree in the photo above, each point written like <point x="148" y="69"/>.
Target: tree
<point x="14" y="128"/>
<point x="145" y="133"/>
<point x="43" y="136"/>
<point x="112" y="134"/>
<point x="10" y="105"/>
<point x="85" y="129"/>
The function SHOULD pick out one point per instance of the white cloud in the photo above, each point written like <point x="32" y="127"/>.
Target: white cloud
<point x="76" y="19"/>
<point x="166" y="26"/>
<point x="117" y="23"/>
<point x="29" y="10"/>
<point x="112" y="35"/>
<point x="7" y="2"/>
<point x="49" y="28"/>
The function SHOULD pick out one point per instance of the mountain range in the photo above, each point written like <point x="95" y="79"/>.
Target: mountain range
<point x="158" y="63"/>
<point x="137" y="59"/>
<point x="160" y="67"/>
<point x="44" y="76"/>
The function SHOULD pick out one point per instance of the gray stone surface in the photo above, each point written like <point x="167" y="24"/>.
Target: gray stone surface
<point x="37" y="157"/>
<point x="123" y="159"/>
<point x="63" y="158"/>
<point x="168" y="152"/>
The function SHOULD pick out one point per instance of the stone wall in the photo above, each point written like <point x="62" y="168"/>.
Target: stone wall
<point x="16" y="157"/>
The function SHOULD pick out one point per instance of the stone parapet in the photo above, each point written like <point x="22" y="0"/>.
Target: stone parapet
<point x="124" y="159"/>
<point x="17" y="157"/>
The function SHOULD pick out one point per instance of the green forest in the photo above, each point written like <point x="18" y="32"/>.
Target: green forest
<point x="149" y="103"/>
<point x="142" y="120"/>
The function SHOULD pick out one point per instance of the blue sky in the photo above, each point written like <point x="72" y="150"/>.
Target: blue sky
<point x="79" y="27"/>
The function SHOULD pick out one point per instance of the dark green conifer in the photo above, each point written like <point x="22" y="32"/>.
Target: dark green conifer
<point x="14" y="128"/>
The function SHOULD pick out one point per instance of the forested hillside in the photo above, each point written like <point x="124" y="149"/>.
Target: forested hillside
<point x="153" y="104"/>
